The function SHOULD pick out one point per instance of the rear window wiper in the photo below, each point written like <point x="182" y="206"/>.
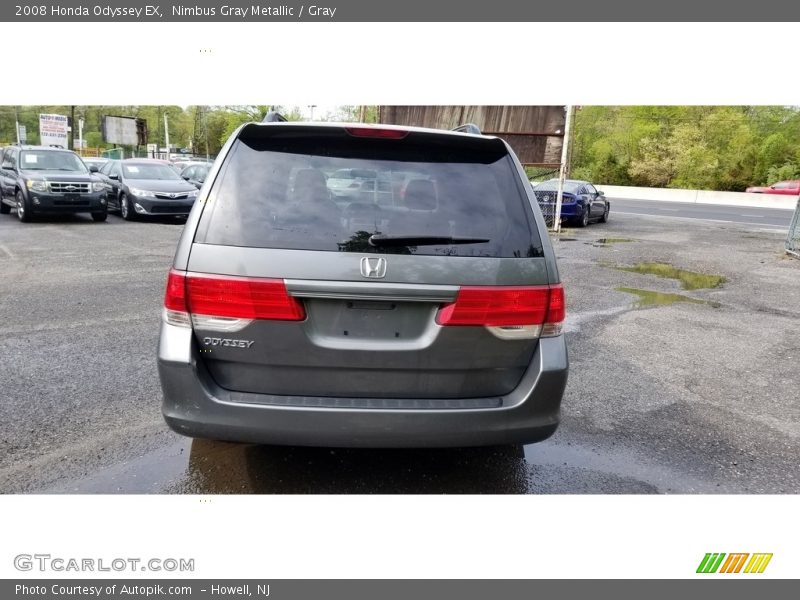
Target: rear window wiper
<point x="382" y="241"/>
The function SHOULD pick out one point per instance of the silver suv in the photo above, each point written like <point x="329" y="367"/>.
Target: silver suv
<point x="424" y="312"/>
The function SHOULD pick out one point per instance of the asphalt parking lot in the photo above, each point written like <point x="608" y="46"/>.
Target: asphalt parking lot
<point x="679" y="396"/>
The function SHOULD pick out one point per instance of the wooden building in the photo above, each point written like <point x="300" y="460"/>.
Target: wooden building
<point x="536" y="133"/>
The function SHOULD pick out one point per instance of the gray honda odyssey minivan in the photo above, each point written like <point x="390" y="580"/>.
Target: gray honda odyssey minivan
<point x="358" y="285"/>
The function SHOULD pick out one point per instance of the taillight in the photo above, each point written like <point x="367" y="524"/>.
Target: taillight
<point x="510" y="312"/>
<point x="175" y="297"/>
<point x="241" y="297"/>
<point x="228" y="303"/>
<point x="557" y="309"/>
<point x="175" y="310"/>
<point x="377" y="132"/>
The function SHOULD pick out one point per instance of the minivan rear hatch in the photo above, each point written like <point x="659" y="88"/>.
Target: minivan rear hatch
<point x="423" y="278"/>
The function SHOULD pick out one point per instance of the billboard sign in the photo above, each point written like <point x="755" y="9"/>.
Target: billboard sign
<point x="120" y="130"/>
<point x="53" y="130"/>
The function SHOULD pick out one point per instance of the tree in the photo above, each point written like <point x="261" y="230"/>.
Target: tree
<point x="705" y="147"/>
<point x="789" y="170"/>
<point x="773" y="152"/>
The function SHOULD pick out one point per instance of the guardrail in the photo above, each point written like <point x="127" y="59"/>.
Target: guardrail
<point x="700" y="196"/>
<point x="793" y="239"/>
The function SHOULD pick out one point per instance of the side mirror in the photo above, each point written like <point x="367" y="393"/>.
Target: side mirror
<point x="8" y="165"/>
<point x="93" y="169"/>
<point x="114" y="176"/>
<point x="186" y="177"/>
<point x="601" y="193"/>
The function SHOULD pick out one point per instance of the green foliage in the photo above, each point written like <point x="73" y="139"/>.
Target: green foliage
<point x="540" y="174"/>
<point x="698" y="147"/>
<point x="94" y="139"/>
<point x="203" y="128"/>
<point x="789" y="170"/>
<point x="354" y="113"/>
<point x="703" y="147"/>
<point x="774" y="151"/>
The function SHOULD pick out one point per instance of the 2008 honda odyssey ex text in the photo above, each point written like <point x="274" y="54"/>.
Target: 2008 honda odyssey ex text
<point x="422" y="309"/>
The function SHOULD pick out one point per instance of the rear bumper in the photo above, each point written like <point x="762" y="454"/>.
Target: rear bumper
<point x="195" y="406"/>
<point x="569" y="210"/>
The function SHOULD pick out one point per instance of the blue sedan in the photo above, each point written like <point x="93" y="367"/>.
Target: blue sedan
<point x="581" y="202"/>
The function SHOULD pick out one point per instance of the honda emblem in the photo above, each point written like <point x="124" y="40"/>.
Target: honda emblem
<point x="374" y="268"/>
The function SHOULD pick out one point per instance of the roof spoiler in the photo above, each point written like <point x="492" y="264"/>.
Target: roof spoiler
<point x="274" y="116"/>
<point x="468" y="128"/>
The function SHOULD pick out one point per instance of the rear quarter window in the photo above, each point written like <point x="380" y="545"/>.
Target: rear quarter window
<point x="328" y="191"/>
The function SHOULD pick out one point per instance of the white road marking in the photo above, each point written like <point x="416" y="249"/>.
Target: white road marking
<point x="753" y="216"/>
<point x="669" y="209"/>
<point x="7" y="251"/>
<point x="624" y="201"/>
<point x="777" y="227"/>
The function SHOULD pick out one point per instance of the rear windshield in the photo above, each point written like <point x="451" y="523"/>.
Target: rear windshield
<point x="570" y="187"/>
<point x="428" y="195"/>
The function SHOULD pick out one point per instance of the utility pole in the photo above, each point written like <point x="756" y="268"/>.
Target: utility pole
<point x="80" y="136"/>
<point x="166" y="133"/>
<point x="159" y="138"/>
<point x="562" y="173"/>
<point x="16" y="121"/>
<point x="71" y="144"/>
<point x="205" y="130"/>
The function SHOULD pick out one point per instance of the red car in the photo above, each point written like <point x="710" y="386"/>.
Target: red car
<point x="787" y="188"/>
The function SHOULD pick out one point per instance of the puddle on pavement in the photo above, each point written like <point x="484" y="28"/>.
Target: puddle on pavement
<point x="212" y="467"/>
<point x="690" y="280"/>
<point x="564" y="235"/>
<point x="606" y="242"/>
<point x="651" y="298"/>
<point x="619" y="469"/>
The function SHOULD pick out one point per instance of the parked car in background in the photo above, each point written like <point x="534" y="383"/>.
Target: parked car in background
<point x="179" y="165"/>
<point x="95" y="161"/>
<point x="39" y="179"/>
<point x="349" y="182"/>
<point x="292" y="317"/>
<point x="581" y="202"/>
<point x="182" y="163"/>
<point x="139" y="187"/>
<point x="196" y="173"/>
<point x="786" y="188"/>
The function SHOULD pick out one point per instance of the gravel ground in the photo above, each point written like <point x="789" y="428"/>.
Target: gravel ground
<point x="678" y="398"/>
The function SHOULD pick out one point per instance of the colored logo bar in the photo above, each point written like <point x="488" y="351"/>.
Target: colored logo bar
<point x="716" y="562"/>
